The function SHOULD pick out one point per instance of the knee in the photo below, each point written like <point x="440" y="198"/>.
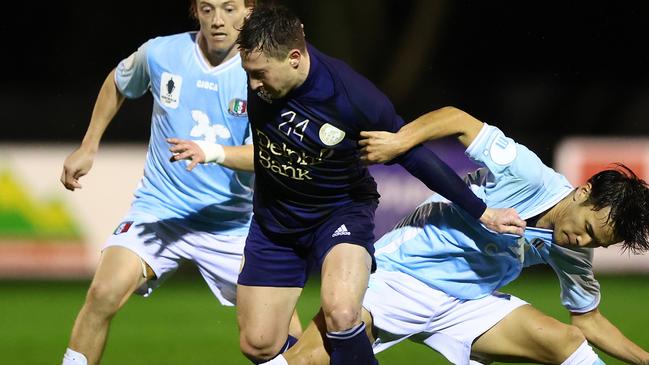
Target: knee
<point x="104" y="299"/>
<point x="573" y="338"/>
<point x="341" y="317"/>
<point x="259" y="347"/>
<point x="566" y="340"/>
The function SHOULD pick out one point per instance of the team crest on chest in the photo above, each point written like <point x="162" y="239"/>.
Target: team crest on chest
<point x="238" y="107"/>
<point x="170" y="89"/>
<point x="330" y="135"/>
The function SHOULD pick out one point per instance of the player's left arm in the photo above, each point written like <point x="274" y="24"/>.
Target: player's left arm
<point x="200" y="152"/>
<point x="423" y="164"/>
<point x="604" y="335"/>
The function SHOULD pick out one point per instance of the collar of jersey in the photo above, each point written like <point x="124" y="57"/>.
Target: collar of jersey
<point x="533" y="232"/>
<point x="206" y="67"/>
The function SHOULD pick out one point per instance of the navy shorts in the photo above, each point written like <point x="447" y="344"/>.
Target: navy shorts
<point x="286" y="260"/>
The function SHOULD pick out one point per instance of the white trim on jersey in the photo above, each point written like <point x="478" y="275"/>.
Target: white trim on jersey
<point x="206" y="67"/>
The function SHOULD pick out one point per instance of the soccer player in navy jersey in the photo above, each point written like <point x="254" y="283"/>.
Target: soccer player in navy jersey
<point x="314" y="200"/>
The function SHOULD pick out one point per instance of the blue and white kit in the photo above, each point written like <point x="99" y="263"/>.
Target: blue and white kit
<point x="439" y="270"/>
<point x="202" y="215"/>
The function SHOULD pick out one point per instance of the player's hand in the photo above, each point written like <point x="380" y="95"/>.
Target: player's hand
<point x="380" y="146"/>
<point x="503" y="221"/>
<point x="183" y="149"/>
<point x="76" y="165"/>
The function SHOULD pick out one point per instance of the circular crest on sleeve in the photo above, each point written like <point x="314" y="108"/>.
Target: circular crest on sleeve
<point x="502" y="151"/>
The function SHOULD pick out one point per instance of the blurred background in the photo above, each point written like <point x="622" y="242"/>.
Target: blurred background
<point x="542" y="70"/>
<point x="568" y="79"/>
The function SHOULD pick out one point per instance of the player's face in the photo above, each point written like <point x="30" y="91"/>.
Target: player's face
<point x="580" y="225"/>
<point x="270" y="77"/>
<point x="220" y="21"/>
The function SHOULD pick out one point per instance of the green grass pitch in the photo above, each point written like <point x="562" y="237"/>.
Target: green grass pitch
<point x="181" y="323"/>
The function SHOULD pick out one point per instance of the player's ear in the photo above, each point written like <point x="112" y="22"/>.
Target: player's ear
<point x="249" y="10"/>
<point x="193" y="10"/>
<point x="583" y="192"/>
<point x="294" y="57"/>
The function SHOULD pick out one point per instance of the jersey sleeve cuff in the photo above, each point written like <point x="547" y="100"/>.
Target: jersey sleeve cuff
<point x="474" y="149"/>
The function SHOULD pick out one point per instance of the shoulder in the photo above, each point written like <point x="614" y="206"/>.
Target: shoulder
<point x="363" y="96"/>
<point x="517" y="177"/>
<point x="186" y="37"/>
<point x="171" y="44"/>
<point x="505" y="157"/>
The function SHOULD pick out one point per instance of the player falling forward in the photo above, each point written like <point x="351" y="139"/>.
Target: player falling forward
<point x="199" y="94"/>
<point x="439" y="270"/>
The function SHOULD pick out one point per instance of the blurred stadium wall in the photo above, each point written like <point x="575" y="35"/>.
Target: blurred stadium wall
<point x="49" y="232"/>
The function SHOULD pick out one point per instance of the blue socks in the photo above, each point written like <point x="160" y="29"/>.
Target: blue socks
<point x="351" y="347"/>
<point x="290" y="341"/>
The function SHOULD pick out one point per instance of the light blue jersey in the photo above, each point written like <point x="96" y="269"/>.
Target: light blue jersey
<point x="442" y="246"/>
<point x="191" y="100"/>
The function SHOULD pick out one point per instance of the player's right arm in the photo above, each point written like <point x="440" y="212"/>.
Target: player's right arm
<point x="580" y="295"/>
<point x="129" y="80"/>
<point x="79" y="162"/>
<point x="381" y="146"/>
<point x="200" y="152"/>
<point x="600" y="332"/>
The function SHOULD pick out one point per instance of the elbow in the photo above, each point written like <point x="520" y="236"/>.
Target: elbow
<point x="453" y="112"/>
<point x="456" y="115"/>
<point x="466" y="126"/>
<point x="450" y="109"/>
<point x="464" y="119"/>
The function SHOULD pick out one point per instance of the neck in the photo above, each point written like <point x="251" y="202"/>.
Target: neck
<point x="548" y="218"/>
<point x="215" y="57"/>
<point x="303" y="69"/>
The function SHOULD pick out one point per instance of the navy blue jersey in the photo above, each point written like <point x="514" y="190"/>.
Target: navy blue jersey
<point x="307" y="160"/>
<point x="306" y="145"/>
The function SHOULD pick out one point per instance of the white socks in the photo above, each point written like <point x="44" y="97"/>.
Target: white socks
<point x="279" y="360"/>
<point x="584" y="355"/>
<point x="72" y="357"/>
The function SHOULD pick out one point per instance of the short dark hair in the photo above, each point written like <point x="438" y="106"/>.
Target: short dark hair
<point x="273" y="30"/>
<point x="628" y="197"/>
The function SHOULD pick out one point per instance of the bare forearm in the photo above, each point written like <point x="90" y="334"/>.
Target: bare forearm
<point x="239" y="158"/>
<point x="107" y="105"/>
<point x="381" y="146"/>
<point x="440" y="123"/>
<point x="600" y="332"/>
